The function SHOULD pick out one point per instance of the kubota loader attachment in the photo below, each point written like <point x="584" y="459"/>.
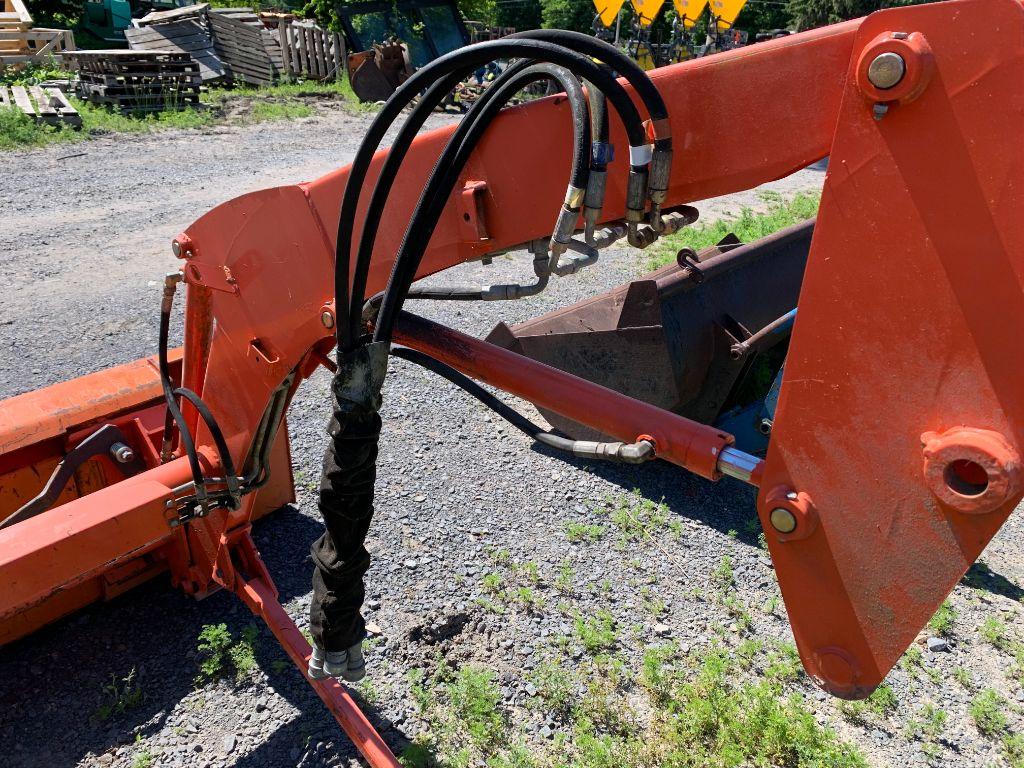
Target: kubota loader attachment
<point x="894" y="450"/>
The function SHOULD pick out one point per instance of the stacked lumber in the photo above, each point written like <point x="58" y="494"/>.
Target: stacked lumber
<point x="44" y="105"/>
<point x="184" y="35"/>
<point x="228" y="43"/>
<point x="137" y="81"/>
<point x="21" y="43"/>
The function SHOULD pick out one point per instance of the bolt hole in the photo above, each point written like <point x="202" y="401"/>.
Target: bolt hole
<point x="966" y="477"/>
<point x="465" y="217"/>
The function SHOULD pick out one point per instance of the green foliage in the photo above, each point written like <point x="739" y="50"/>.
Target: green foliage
<point x="567" y="14"/>
<point x="55" y="13"/>
<point x="580" y="532"/>
<point x="994" y="632"/>
<point x="942" y="622"/>
<point x="144" y="759"/>
<point x="748" y="226"/>
<point x="807" y="14"/>
<point x="987" y="710"/>
<point x="723" y="575"/>
<point x="596" y="633"/>
<point x="220" y="653"/>
<point x="119" y="695"/>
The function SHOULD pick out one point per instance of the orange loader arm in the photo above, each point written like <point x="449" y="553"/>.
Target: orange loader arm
<point x="895" y="452"/>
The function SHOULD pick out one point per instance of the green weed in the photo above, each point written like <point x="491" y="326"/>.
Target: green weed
<point x="580" y="532"/>
<point x="119" y="695"/>
<point x="748" y="226"/>
<point x="220" y="653"/>
<point x="596" y="633"/>
<point x="942" y="622"/>
<point x="994" y="632"/>
<point x="987" y="710"/>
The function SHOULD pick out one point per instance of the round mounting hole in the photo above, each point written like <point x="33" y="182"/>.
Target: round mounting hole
<point x="465" y="217"/>
<point x="966" y="477"/>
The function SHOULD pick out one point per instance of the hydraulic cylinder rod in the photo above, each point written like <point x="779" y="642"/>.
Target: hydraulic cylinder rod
<point x="697" y="447"/>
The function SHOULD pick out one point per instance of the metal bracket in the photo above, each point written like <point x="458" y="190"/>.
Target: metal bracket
<point x="108" y="440"/>
<point x="472" y="222"/>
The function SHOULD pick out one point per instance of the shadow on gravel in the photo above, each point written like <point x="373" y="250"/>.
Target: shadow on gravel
<point x="727" y="505"/>
<point x="980" y="576"/>
<point x="52" y="683"/>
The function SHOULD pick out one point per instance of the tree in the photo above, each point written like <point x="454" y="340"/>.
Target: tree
<point x="576" y="15"/>
<point x="55" y="13"/>
<point x="808" y="14"/>
<point x="521" y="14"/>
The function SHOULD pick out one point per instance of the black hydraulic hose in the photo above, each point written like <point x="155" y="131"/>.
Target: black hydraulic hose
<point x="433" y="200"/>
<point x="469" y="386"/>
<point x="630" y="453"/>
<point x="226" y="462"/>
<point x="424" y="107"/>
<point x="385" y="181"/>
<point x="173" y="411"/>
<point x="618" y="60"/>
<point x="461" y="61"/>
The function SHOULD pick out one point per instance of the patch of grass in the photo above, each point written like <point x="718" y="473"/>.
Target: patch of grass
<point x="910" y="662"/>
<point x="144" y="759"/>
<point x="994" y="632"/>
<point x="880" y="703"/>
<point x="987" y="711"/>
<point x="723" y="575"/>
<point x="636" y="517"/>
<point x="491" y="583"/>
<point x="676" y="711"/>
<point x="555" y="687"/>
<point x="284" y="101"/>
<point x="220" y="653"/>
<point x="943" y="620"/>
<point x="963" y="677"/>
<point x="566" y="579"/>
<point x="580" y="532"/>
<point x="783" y="663"/>
<point x="596" y="633"/>
<point x="119" y="695"/>
<point x="748" y="226"/>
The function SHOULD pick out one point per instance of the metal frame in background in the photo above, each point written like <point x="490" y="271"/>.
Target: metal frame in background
<point x="412" y="10"/>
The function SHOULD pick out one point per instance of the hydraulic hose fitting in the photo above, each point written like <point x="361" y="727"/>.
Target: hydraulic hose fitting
<point x="661" y="172"/>
<point x="593" y="202"/>
<point x="171" y="280"/>
<point x="565" y="227"/>
<point x="601" y="154"/>
<point x="636" y="201"/>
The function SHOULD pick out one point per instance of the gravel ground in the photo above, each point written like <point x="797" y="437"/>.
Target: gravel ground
<point x="83" y="245"/>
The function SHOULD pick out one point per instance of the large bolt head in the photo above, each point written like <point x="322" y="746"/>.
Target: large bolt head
<point x="327" y="318"/>
<point x="886" y="70"/>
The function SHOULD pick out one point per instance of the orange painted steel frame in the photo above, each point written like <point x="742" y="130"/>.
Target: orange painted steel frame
<point x="897" y="437"/>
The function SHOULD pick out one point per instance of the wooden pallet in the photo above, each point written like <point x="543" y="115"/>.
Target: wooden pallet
<point x="138" y="81"/>
<point x="242" y="49"/>
<point x="45" y="105"/>
<point x="311" y="51"/>
<point x="188" y="35"/>
<point x="229" y="43"/>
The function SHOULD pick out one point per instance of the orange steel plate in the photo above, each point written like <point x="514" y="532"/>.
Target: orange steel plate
<point x="911" y="315"/>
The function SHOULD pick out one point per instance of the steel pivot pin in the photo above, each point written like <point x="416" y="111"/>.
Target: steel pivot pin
<point x="782" y="520"/>
<point x="886" y="70"/>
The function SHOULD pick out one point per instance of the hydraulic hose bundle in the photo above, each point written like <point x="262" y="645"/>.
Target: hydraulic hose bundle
<point x="570" y="60"/>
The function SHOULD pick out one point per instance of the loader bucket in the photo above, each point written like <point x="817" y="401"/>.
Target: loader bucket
<point x="669" y="338"/>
